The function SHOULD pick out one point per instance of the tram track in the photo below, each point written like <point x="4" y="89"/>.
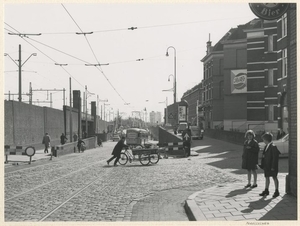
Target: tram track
<point x="68" y="199"/>
<point x="45" y="184"/>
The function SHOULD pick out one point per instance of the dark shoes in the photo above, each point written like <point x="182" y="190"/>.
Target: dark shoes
<point x="276" y="194"/>
<point x="254" y="186"/>
<point x="248" y="186"/>
<point x="265" y="192"/>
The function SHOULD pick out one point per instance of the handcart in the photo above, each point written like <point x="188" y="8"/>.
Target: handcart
<point x="144" y="155"/>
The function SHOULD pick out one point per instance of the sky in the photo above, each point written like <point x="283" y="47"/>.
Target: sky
<point x="185" y="26"/>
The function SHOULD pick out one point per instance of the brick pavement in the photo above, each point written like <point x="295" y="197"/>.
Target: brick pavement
<point x="231" y="201"/>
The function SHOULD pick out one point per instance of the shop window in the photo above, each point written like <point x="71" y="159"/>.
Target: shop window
<point x="284" y="63"/>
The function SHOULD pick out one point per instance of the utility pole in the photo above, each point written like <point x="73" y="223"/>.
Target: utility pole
<point x="50" y="100"/>
<point x="71" y="110"/>
<point x="86" y="122"/>
<point x="30" y="94"/>
<point x="46" y="90"/>
<point x="20" y="75"/>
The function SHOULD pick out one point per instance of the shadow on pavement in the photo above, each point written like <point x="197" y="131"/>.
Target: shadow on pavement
<point x="257" y="205"/>
<point x="237" y="192"/>
<point x="286" y="209"/>
<point x="225" y="155"/>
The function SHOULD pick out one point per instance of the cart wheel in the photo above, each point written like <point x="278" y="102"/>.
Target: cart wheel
<point x="138" y="146"/>
<point x="154" y="158"/>
<point x="144" y="159"/>
<point x="123" y="159"/>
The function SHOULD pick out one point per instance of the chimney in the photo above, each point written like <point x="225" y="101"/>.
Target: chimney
<point x="208" y="45"/>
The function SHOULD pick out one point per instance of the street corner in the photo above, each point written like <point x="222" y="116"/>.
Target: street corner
<point x="234" y="202"/>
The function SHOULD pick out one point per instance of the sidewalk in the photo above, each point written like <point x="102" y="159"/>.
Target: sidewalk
<point x="39" y="154"/>
<point x="232" y="202"/>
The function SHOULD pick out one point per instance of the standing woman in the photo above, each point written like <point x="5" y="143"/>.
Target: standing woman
<point x="250" y="157"/>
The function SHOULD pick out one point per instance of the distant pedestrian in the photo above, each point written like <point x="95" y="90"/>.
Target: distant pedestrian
<point x="81" y="145"/>
<point x="187" y="139"/>
<point x="100" y="142"/>
<point x="269" y="164"/>
<point x="250" y="157"/>
<point x="280" y="134"/>
<point x="75" y="137"/>
<point x="46" y="142"/>
<point x="117" y="151"/>
<point x="63" y="139"/>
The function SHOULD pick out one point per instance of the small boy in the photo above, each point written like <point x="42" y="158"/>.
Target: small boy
<point x="269" y="164"/>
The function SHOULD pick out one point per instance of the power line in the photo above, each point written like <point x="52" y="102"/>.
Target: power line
<point x="98" y="68"/>
<point x="44" y="54"/>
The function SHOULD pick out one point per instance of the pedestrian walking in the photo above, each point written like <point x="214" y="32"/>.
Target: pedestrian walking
<point x="269" y="164"/>
<point x="63" y="139"/>
<point x="46" y="142"/>
<point x="187" y="139"/>
<point x="250" y="158"/>
<point x="80" y="145"/>
<point x="280" y="134"/>
<point x="75" y="137"/>
<point x="117" y="151"/>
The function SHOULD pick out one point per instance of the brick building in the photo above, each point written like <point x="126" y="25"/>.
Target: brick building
<point x="194" y="99"/>
<point x="291" y="183"/>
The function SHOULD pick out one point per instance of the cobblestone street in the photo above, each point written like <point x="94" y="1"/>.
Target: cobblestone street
<point x="81" y="187"/>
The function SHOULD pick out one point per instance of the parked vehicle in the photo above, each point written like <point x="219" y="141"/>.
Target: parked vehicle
<point x="116" y="137"/>
<point x="182" y="126"/>
<point x="197" y="133"/>
<point x="136" y="137"/>
<point x="282" y="145"/>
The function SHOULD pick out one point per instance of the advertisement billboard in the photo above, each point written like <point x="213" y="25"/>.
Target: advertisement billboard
<point x="239" y="81"/>
<point x="182" y="113"/>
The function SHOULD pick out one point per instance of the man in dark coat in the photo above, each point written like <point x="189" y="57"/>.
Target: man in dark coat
<point x="187" y="138"/>
<point x="117" y="151"/>
<point x="63" y="139"/>
<point x="46" y="142"/>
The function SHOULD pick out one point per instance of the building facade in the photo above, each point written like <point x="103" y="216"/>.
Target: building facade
<point x="194" y="99"/>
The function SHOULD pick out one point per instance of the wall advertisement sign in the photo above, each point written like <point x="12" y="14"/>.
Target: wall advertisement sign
<point x="182" y="114"/>
<point x="239" y="81"/>
<point x="269" y="11"/>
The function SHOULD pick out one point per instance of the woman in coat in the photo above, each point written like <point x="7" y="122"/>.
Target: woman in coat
<point x="117" y="151"/>
<point x="250" y="158"/>
<point x="269" y="164"/>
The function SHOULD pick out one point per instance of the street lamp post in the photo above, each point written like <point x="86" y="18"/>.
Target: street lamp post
<point x="167" y="54"/>
<point x="20" y="65"/>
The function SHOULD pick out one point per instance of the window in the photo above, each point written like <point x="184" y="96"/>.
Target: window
<point x="270" y="77"/>
<point x="270" y="43"/>
<point x="284" y="25"/>
<point x="271" y="113"/>
<point x="284" y="63"/>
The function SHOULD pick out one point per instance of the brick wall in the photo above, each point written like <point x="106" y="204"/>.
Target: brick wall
<point x="26" y="124"/>
<point x="292" y="99"/>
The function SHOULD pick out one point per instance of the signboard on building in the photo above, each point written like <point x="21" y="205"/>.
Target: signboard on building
<point x="239" y="81"/>
<point x="182" y="113"/>
<point x="269" y="11"/>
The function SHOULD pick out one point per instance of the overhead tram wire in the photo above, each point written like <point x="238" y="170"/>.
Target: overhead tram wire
<point x="44" y="54"/>
<point x="141" y="27"/>
<point x="98" y="68"/>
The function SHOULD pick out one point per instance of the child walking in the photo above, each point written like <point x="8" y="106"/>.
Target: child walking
<point x="269" y="164"/>
<point x="250" y="158"/>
